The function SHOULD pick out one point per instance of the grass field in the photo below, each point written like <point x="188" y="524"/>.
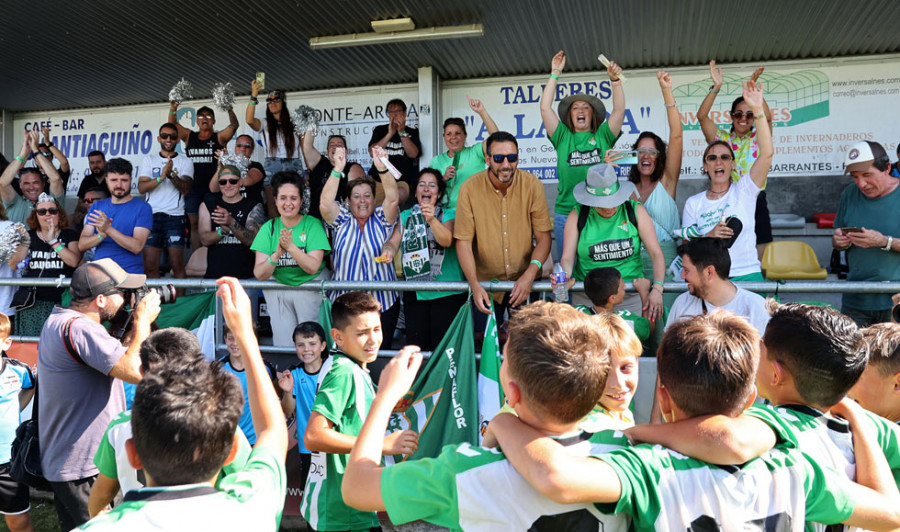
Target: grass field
<point x="43" y="515"/>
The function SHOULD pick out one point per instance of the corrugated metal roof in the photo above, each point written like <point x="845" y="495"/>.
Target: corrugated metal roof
<point x="57" y="55"/>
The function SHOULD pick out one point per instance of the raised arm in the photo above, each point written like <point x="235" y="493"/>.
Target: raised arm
<point x="672" y="171"/>
<point x="250" y="113"/>
<point x="478" y="107"/>
<point x="753" y="95"/>
<point x="328" y="208"/>
<point x="707" y="125"/>
<point x="57" y="188"/>
<point x="617" y="116"/>
<point x="183" y="132"/>
<point x="7" y="192"/>
<point x="755" y="77"/>
<point x="391" y="194"/>
<point x="228" y="132"/>
<point x="310" y="154"/>
<point x="60" y="156"/>
<point x="548" y="97"/>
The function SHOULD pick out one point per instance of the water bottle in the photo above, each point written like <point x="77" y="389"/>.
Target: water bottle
<point x="561" y="292"/>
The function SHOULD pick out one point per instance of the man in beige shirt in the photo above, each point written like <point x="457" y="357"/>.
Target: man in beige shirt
<point x="501" y="212"/>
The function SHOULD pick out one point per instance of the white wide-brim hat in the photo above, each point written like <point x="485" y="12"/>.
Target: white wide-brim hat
<point x="602" y="188"/>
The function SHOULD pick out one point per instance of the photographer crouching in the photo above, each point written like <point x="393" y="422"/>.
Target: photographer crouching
<point x="81" y="367"/>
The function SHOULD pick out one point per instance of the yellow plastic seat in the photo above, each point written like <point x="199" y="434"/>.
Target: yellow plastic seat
<point x="791" y="259"/>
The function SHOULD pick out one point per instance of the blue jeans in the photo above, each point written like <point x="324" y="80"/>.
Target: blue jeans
<point x="559" y="225"/>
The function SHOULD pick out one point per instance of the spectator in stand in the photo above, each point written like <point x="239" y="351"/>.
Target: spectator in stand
<point x="361" y="233"/>
<point x="252" y="181"/>
<point x="290" y="248"/>
<point x="19" y="206"/>
<point x="581" y="135"/>
<point x="165" y="178"/>
<point x="14" y="237"/>
<point x="460" y="162"/>
<point x="228" y="225"/>
<point x="84" y="203"/>
<point x="878" y="388"/>
<point x="401" y="143"/>
<point x="502" y="212"/>
<point x="743" y="142"/>
<point x="279" y="139"/>
<point x="124" y="219"/>
<point x="320" y="168"/>
<point x="727" y="209"/>
<point x="425" y="240"/>
<point x="53" y="253"/>
<point x="866" y="227"/>
<point x="201" y="147"/>
<point x="97" y="166"/>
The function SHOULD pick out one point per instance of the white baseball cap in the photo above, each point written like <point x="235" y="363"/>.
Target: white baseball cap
<point x="862" y="154"/>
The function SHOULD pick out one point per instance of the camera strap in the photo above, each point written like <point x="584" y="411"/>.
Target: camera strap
<point x="67" y="341"/>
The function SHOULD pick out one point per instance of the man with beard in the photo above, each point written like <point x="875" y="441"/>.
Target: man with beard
<point x="82" y="368"/>
<point x="499" y="213"/>
<point x="118" y="226"/>
<point x="97" y="177"/>
<point x="706" y="268"/>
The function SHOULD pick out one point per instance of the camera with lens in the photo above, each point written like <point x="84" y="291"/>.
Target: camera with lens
<point x="166" y="293"/>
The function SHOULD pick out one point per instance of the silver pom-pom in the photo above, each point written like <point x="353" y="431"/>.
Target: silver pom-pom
<point x="223" y="96"/>
<point x="304" y="208"/>
<point x="237" y="160"/>
<point x="12" y="235"/>
<point x="305" y="119"/>
<point x="181" y="91"/>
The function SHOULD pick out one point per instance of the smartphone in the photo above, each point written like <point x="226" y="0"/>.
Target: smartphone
<point x="628" y="157"/>
<point x="261" y="80"/>
<point x="851" y="230"/>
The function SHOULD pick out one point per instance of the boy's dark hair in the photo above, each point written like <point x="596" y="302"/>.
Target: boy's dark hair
<point x="883" y="341"/>
<point x="821" y="348"/>
<point x="708" y="363"/>
<point x="312" y="328"/>
<point x="184" y="423"/>
<point x="119" y="165"/>
<point x="172" y="347"/>
<point x="350" y="305"/>
<point x="600" y="284"/>
<point x="500" y="136"/>
<point x="559" y="357"/>
<point x="705" y="252"/>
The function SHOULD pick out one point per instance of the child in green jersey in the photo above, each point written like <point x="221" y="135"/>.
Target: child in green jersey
<point x="340" y="407"/>
<point x="706" y="367"/>
<point x="878" y="389"/>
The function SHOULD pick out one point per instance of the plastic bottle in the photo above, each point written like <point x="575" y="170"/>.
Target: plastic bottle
<point x="561" y="292"/>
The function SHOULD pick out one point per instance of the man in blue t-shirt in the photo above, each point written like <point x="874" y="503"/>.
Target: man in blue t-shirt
<point x="118" y="226"/>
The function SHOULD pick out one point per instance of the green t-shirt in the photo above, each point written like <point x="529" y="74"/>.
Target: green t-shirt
<point x="308" y="234"/>
<point x="450" y="270"/>
<point x="575" y="153"/>
<point x="471" y="161"/>
<point x="476" y="489"/>
<point x="344" y="398"/>
<point x="611" y="242"/>
<point x="639" y="324"/>
<point x="252" y="499"/>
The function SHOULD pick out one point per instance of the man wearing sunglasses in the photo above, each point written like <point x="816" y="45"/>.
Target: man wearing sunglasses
<point x="166" y="177"/>
<point x="19" y="206"/>
<point x="201" y="147"/>
<point x="252" y="182"/>
<point x="500" y="212"/>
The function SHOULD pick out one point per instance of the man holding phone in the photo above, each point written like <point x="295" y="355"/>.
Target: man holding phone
<point x="867" y="227"/>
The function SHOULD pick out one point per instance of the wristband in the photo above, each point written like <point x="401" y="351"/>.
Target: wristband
<point x="671" y="104"/>
<point x="159" y="179"/>
<point x="101" y="237"/>
<point x="335" y="173"/>
<point x="403" y="134"/>
<point x="219" y="232"/>
<point x="537" y="263"/>
<point x="382" y="172"/>
<point x="660" y="283"/>
<point x="270" y="261"/>
<point x="713" y="89"/>
<point x="20" y="159"/>
<point x="59" y="248"/>
<point x="49" y="145"/>
<point x="48" y="154"/>
<point x="554" y="77"/>
<point x="889" y="244"/>
<point x="254" y="102"/>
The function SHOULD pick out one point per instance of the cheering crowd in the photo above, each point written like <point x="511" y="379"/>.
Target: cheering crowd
<point x="768" y="415"/>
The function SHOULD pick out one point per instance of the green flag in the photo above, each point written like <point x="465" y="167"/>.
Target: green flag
<point x="325" y="321"/>
<point x="441" y="405"/>
<point x="196" y="313"/>
<point x="490" y="393"/>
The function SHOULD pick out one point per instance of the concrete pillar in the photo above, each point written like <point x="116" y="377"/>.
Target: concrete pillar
<point x="429" y="114"/>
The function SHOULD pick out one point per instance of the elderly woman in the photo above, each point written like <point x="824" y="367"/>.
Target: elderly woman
<point x="460" y="162"/>
<point x="425" y="240"/>
<point x="581" y="135"/>
<point x="53" y="253"/>
<point x="361" y="233"/>
<point x="607" y="230"/>
<point x="727" y="209"/>
<point x="290" y="248"/>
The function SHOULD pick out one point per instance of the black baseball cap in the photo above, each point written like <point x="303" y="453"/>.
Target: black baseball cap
<point x="100" y="276"/>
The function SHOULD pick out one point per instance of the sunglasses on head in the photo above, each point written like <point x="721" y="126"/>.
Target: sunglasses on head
<point x="741" y="114"/>
<point x="275" y="99"/>
<point x="243" y="145"/>
<point x="233" y="181"/>
<point x="712" y="157"/>
<point x="169" y="136"/>
<point x="42" y="212"/>
<point x="511" y="157"/>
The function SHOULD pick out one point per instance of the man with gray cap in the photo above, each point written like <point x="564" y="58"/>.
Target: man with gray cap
<point x="867" y="226"/>
<point x="81" y="367"/>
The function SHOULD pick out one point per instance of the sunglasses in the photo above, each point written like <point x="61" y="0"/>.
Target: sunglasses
<point x="42" y="212"/>
<point x="223" y="182"/>
<point x="712" y="157"/>
<point x="90" y="200"/>
<point x="270" y="100"/>
<point x="169" y="136"/>
<point x="511" y="157"/>
<point x="208" y="117"/>
<point x="741" y="114"/>
<point x="647" y="151"/>
<point x="243" y="145"/>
